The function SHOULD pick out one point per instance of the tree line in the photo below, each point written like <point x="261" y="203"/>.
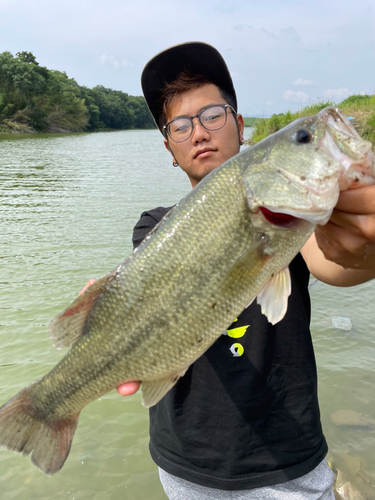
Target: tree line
<point x="35" y="98"/>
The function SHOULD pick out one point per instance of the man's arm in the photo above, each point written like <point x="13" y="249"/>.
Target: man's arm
<point x="342" y="253"/>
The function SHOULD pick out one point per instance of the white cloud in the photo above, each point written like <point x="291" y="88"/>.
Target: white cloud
<point x="104" y="59"/>
<point x="257" y="39"/>
<point x="268" y="33"/>
<point x="290" y="95"/>
<point x="336" y="94"/>
<point x="269" y="103"/>
<point x="306" y="83"/>
<point x="290" y="34"/>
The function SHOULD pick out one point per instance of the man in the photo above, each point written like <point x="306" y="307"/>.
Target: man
<point x="244" y="423"/>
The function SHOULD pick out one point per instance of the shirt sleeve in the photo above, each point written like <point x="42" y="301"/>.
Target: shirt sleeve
<point x="146" y="223"/>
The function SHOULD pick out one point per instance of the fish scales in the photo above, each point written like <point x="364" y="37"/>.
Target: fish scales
<point x="177" y="331"/>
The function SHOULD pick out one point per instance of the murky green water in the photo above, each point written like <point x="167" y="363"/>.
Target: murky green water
<point x="68" y="204"/>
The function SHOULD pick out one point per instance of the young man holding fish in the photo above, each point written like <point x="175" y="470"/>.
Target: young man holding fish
<point x="234" y="410"/>
<point x="244" y="423"/>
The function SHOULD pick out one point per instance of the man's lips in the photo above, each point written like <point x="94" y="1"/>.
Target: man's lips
<point x="203" y="153"/>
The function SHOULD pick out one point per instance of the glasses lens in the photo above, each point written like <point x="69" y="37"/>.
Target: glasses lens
<point x="213" y="117"/>
<point x="180" y="129"/>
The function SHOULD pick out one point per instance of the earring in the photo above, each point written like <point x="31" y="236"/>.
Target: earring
<point x="175" y="164"/>
<point x="241" y="141"/>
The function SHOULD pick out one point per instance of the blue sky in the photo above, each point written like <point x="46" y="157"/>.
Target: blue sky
<point x="282" y="54"/>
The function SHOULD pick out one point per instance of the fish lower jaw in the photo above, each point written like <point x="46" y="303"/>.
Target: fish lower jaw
<point x="313" y="213"/>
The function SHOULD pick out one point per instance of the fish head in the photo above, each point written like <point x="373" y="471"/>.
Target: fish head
<point x="297" y="173"/>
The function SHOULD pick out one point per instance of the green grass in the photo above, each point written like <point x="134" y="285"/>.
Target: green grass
<point x="250" y="121"/>
<point x="361" y="107"/>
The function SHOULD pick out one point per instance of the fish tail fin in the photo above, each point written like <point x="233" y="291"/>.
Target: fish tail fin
<point x="23" y="429"/>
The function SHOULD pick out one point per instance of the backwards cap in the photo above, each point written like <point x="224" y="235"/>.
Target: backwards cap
<point x="197" y="57"/>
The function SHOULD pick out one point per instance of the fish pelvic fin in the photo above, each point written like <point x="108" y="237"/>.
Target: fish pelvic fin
<point x="273" y="298"/>
<point x="21" y="431"/>
<point x="154" y="390"/>
<point x="69" y="326"/>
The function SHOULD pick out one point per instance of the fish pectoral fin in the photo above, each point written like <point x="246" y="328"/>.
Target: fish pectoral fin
<point x="154" y="390"/>
<point x="69" y="326"/>
<point x="273" y="298"/>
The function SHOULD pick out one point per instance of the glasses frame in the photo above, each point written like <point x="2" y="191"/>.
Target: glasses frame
<point x="165" y="127"/>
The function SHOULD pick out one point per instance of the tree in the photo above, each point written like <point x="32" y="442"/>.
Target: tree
<point x="27" y="57"/>
<point x="48" y="100"/>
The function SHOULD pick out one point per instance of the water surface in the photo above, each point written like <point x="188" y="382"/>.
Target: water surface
<point x="68" y="204"/>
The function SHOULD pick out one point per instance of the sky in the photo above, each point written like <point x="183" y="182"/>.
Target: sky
<point x="282" y="54"/>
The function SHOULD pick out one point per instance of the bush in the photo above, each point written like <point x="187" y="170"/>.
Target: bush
<point x="361" y="107"/>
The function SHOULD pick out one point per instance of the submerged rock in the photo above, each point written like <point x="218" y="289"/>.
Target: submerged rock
<point x="352" y="418"/>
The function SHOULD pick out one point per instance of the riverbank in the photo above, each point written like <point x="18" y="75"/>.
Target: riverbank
<point x="34" y="98"/>
<point x="361" y="108"/>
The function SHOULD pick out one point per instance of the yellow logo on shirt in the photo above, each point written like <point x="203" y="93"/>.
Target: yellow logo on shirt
<point x="236" y="333"/>
<point x="237" y="350"/>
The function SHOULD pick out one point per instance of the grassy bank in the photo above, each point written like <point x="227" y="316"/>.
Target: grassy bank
<point x="361" y="107"/>
<point x="251" y="121"/>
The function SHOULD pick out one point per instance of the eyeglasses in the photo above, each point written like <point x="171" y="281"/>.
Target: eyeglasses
<point x="211" y="118"/>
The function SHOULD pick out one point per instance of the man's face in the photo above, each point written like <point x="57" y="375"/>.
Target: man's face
<point x="204" y="150"/>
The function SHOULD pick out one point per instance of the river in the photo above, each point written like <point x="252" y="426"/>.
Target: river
<point x="68" y="206"/>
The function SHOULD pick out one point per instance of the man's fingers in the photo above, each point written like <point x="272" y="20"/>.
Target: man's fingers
<point x="88" y="284"/>
<point x="128" y="388"/>
<point x="357" y="201"/>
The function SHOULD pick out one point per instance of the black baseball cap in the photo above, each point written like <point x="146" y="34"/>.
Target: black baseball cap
<point x="197" y="57"/>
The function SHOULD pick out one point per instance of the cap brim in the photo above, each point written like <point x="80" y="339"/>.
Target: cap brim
<point x="196" y="57"/>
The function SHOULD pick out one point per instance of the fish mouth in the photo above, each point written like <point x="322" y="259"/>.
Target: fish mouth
<point x="343" y="143"/>
<point x="293" y="219"/>
<point x="290" y="218"/>
<point x="278" y="218"/>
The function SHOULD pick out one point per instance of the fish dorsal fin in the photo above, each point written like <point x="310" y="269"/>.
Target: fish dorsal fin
<point x="273" y="298"/>
<point x="154" y="390"/>
<point x="69" y="326"/>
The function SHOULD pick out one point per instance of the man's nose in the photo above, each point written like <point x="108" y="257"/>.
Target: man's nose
<point x="199" y="132"/>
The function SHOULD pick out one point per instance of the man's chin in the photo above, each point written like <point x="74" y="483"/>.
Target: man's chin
<point x="195" y="179"/>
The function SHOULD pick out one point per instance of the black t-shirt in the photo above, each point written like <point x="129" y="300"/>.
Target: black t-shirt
<point x="246" y="413"/>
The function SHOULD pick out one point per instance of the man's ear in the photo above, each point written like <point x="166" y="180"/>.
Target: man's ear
<point x="167" y="147"/>
<point x="241" y="126"/>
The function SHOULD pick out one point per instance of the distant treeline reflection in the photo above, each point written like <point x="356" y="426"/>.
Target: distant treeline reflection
<point x="34" y="98"/>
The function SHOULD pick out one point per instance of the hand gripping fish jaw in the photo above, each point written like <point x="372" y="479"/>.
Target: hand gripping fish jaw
<point x="331" y="157"/>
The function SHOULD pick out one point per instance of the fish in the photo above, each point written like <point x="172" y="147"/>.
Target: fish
<point x="229" y="241"/>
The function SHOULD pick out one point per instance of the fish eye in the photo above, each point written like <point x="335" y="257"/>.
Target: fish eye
<point x="303" y="136"/>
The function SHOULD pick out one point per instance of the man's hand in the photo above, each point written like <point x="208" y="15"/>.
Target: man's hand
<point x="88" y="284"/>
<point x="349" y="237"/>
<point x="128" y="388"/>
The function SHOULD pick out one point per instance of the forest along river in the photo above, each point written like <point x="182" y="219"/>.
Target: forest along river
<point x="68" y="206"/>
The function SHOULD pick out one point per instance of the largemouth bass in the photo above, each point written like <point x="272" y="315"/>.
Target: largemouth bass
<point x="228" y="241"/>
